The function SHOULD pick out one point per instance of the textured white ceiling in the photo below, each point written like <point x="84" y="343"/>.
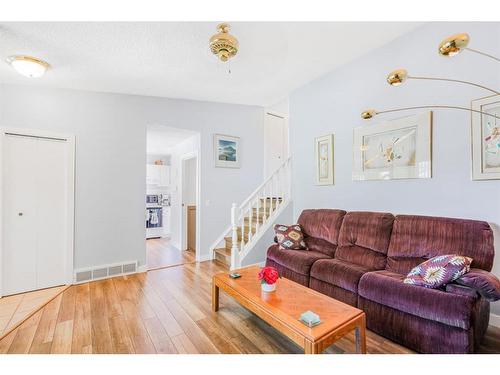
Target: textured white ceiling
<point x="172" y="59"/>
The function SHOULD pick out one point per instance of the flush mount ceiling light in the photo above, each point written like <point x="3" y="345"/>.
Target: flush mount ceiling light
<point x="28" y="66"/>
<point x="223" y="44"/>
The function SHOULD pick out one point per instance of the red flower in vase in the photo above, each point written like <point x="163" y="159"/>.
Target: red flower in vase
<point x="268" y="275"/>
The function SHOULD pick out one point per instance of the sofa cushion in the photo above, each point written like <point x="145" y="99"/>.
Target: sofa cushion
<point x="322" y="246"/>
<point x="289" y="236"/>
<point x="323" y="224"/>
<point x="364" y="238"/>
<point x="438" y="271"/>
<point x="288" y="273"/>
<point x="387" y="288"/>
<point x="339" y="273"/>
<point x="299" y="261"/>
<point x="418" y="238"/>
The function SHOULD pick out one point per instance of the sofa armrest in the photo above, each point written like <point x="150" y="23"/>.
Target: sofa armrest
<point x="461" y="290"/>
<point x="484" y="282"/>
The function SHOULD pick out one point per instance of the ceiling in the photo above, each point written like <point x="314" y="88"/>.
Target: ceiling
<point x="161" y="139"/>
<point x="172" y="59"/>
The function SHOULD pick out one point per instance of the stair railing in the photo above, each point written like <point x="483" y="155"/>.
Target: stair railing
<point x="266" y="200"/>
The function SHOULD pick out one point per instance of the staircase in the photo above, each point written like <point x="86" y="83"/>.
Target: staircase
<point x="252" y="218"/>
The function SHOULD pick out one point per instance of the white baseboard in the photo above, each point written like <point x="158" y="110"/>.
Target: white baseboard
<point x="495" y="320"/>
<point x="106" y="271"/>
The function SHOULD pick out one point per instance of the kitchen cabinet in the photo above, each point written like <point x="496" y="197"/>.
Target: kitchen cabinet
<point x="158" y="175"/>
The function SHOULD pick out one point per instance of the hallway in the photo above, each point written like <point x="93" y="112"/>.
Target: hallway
<point x="160" y="254"/>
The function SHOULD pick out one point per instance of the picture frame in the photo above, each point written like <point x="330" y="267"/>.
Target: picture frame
<point x="394" y="149"/>
<point x="226" y="151"/>
<point x="324" y="153"/>
<point x="485" y="139"/>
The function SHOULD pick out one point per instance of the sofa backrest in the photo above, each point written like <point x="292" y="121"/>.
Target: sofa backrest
<point x="417" y="238"/>
<point x="364" y="239"/>
<point x="321" y="229"/>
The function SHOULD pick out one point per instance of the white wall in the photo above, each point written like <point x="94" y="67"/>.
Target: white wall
<point x="333" y="103"/>
<point x="110" y="132"/>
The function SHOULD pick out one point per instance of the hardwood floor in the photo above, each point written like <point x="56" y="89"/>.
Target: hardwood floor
<point x="159" y="254"/>
<point x="16" y="308"/>
<point x="164" y="311"/>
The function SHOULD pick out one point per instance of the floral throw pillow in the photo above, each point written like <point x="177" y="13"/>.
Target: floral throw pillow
<point x="290" y="237"/>
<point x="438" y="271"/>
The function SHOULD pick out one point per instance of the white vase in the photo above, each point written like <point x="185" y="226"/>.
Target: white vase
<point x="268" y="287"/>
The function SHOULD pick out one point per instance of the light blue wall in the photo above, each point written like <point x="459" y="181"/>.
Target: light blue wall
<point x="110" y="132"/>
<point x="333" y="103"/>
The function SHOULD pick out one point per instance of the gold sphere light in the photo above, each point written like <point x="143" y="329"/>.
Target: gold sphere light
<point x="448" y="47"/>
<point x="397" y="77"/>
<point x="224" y="45"/>
<point x="368" y="114"/>
<point x="454" y="44"/>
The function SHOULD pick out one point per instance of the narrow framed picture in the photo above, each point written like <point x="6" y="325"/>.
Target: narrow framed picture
<point x="394" y="149"/>
<point x="485" y="138"/>
<point x="226" y="151"/>
<point x="323" y="149"/>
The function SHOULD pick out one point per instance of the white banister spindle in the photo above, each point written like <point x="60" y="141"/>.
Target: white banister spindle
<point x="242" y="229"/>
<point x="250" y="215"/>
<point x="257" y="211"/>
<point x="235" y="254"/>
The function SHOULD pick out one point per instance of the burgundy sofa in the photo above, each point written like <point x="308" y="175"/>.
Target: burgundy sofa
<point x="361" y="258"/>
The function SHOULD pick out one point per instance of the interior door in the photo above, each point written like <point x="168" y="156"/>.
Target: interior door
<point x="34" y="243"/>
<point x="19" y="263"/>
<point x="51" y="199"/>
<point x="275" y="143"/>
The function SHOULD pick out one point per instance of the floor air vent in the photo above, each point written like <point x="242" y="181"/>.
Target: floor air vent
<point x="102" y="272"/>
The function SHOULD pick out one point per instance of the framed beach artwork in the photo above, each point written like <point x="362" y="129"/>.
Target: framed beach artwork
<point x="394" y="149"/>
<point x="226" y="151"/>
<point x="485" y="136"/>
<point x="323" y="150"/>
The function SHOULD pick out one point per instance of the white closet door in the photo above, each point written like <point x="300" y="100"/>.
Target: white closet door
<point x="51" y="191"/>
<point x="19" y="216"/>
<point x="35" y="180"/>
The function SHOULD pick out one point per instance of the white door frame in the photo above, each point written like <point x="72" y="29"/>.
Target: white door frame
<point x="183" y="226"/>
<point x="70" y="204"/>
<point x="287" y="137"/>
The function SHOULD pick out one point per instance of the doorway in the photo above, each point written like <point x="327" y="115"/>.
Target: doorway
<point x="189" y="188"/>
<point x="37" y="206"/>
<point x="167" y="148"/>
<point x="275" y="141"/>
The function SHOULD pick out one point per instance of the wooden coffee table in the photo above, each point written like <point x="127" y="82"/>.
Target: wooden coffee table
<point x="283" y="307"/>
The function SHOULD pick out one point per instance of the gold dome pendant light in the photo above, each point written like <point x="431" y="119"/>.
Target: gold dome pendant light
<point x="399" y="76"/>
<point x="224" y="45"/>
<point x="457" y="43"/>
<point x="450" y="46"/>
